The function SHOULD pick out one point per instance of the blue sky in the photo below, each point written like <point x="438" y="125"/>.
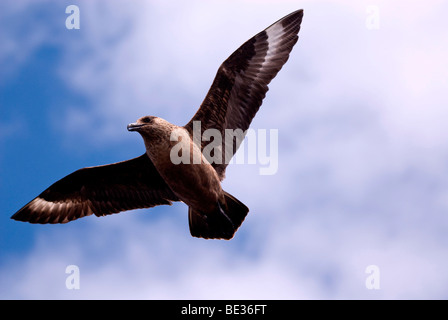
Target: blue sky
<point x="363" y="153"/>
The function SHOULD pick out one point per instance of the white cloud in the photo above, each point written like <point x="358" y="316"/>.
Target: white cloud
<point x="301" y="258"/>
<point x="143" y="63"/>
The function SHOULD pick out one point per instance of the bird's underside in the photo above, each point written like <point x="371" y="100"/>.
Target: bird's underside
<point x="234" y="98"/>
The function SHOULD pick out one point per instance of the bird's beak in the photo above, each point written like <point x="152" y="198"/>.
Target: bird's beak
<point x="134" y="126"/>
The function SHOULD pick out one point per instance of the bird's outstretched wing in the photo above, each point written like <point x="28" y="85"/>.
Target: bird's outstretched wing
<point x="242" y="81"/>
<point x="100" y="190"/>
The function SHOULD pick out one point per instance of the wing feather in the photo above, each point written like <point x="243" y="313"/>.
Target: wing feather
<point x="100" y="190"/>
<point x="241" y="83"/>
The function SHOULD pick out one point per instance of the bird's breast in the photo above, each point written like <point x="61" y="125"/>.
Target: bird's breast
<point x="186" y="171"/>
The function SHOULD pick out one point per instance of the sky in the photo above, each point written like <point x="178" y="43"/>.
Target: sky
<point x="361" y="185"/>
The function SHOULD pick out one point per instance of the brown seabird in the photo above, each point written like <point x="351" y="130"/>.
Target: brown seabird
<point x="153" y="179"/>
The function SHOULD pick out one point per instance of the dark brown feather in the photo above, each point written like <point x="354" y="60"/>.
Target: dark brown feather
<point x="101" y="190"/>
<point x="242" y="81"/>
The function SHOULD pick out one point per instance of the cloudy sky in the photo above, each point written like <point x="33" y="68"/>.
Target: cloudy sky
<point x="361" y="109"/>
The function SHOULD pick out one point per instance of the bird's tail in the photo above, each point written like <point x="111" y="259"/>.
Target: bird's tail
<point x="219" y="224"/>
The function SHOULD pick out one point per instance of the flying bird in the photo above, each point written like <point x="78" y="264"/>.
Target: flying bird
<point x="152" y="179"/>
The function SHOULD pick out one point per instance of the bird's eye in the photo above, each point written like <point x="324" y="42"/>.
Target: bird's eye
<point x="146" y="120"/>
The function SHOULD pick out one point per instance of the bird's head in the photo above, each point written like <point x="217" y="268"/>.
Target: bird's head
<point x="152" y="128"/>
<point x="143" y="124"/>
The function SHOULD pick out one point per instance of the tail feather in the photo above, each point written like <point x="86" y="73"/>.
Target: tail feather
<point x="220" y="224"/>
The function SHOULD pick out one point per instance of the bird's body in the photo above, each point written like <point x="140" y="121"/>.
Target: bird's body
<point x="158" y="177"/>
<point x="195" y="183"/>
